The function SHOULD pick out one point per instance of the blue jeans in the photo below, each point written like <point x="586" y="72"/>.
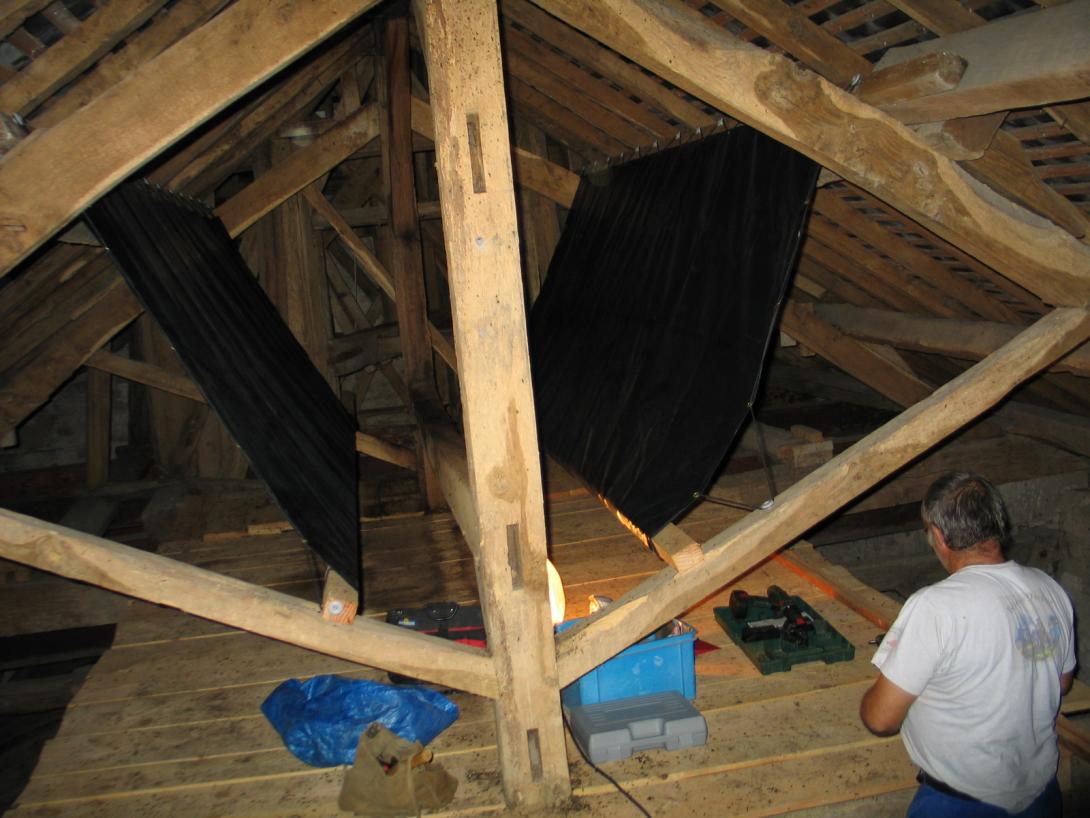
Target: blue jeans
<point x="930" y="803"/>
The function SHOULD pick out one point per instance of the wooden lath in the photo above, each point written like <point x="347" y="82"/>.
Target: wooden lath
<point x="44" y="183"/>
<point x="813" y="116"/>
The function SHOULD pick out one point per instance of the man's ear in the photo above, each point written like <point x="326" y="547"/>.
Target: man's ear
<point x="940" y="538"/>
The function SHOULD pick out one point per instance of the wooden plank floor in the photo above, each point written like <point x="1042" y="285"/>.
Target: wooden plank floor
<point x="168" y="722"/>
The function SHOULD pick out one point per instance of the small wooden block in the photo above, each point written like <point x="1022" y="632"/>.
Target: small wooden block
<point x="677" y="548"/>
<point x="807" y="433"/>
<point x="272" y="527"/>
<point x="339" y="599"/>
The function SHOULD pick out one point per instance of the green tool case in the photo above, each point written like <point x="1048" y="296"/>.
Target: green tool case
<point x="817" y="639"/>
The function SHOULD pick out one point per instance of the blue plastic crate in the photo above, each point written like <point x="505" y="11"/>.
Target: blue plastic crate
<point x="650" y="666"/>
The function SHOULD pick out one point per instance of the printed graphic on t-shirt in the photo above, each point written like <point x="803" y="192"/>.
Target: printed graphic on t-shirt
<point x="1035" y="640"/>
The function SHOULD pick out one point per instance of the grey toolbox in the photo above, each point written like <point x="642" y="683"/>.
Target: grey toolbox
<point x="610" y="731"/>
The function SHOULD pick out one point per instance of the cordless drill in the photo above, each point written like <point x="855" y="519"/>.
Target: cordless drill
<point x="787" y="622"/>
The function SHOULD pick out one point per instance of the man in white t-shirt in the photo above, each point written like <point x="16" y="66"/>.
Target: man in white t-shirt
<point x="974" y="667"/>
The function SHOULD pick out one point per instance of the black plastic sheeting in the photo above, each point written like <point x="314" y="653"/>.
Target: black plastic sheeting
<point x="187" y="272"/>
<point x="649" y="335"/>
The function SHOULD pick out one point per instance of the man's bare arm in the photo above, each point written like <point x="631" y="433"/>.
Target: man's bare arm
<point x="884" y="707"/>
<point x="1066" y="680"/>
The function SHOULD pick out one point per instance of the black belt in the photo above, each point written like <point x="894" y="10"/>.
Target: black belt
<point x="945" y="789"/>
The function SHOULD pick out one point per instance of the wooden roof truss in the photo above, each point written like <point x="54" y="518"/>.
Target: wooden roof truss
<point x="940" y="202"/>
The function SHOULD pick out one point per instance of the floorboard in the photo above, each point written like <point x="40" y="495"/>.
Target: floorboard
<point x="168" y="722"/>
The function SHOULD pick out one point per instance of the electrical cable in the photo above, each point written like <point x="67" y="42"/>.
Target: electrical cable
<point x="602" y="772"/>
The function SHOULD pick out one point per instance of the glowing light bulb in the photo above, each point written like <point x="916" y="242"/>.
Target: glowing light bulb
<point x="557" y="603"/>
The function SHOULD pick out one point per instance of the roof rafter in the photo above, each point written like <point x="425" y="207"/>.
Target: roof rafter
<point x="45" y="181"/>
<point x="844" y="134"/>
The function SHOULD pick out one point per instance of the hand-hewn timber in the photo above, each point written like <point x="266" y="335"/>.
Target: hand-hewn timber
<point x="299" y="169"/>
<point x="927" y="74"/>
<point x="841" y="132"/>
<point x="473" y="158"/>
<point x="1005" y="168"/>
<point x="45" y="368"/>
<point x="148" y="374"/>
<point x="968" y="340"/>
<point x="50" y="178"/>
<point x="402" y="242"/>
<point x="371" y="265"/>
<point x="862" y="361"/>
<point x="1018" y="62"/>
<point x="164" y="581"/>
<point x="822" y="492"/>
<point x="168" y="26"/>
<point x="794" y="32"/>
<point x="532" y="170"/>
<point x="385" y="451"/>
<point x="74" y="54"/>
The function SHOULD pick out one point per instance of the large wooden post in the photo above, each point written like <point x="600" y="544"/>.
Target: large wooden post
<point x="473" y="155"/>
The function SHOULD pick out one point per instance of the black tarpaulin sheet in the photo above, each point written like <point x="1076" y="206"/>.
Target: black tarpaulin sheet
<point x="648" y="337"/>
<point x="187" y="272"/>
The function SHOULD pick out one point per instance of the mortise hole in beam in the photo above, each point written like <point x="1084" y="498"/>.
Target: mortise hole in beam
<point x="533" y="745"/>
<point x="514" y="555"/>
<point x="476" y="159"/>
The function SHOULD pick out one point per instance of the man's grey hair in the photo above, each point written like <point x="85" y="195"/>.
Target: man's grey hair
<point x="967" y="509"/>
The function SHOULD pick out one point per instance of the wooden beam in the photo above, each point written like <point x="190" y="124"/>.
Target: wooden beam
<point x="803" y="559"/>
<point x="835" y="207"/>
<point x="299" y="169"/>
<point x="608" y="64"/>
<point x="148" y="374"/>
<point x="941" y="16"/>
<point x="823" y="491"/>
<point x="243" y="135"/>
<point x="374" y="268"/>
<point x="963" y="138"/>
<point x="577" y="99"/>
<point x="169" y="26"/>
<point x="203" y="593"/>
<point x="843" y="134"/>
<point x="405" y="260"/>
<point x="1061" y="429"/>
<point x="1020" y="61"/>
<point x="1075" y="117"/>
<point x="445" y="449"/>
<point x="858" y="359"/>
<point x="873" y="365"/>
<point x="294" y="275"/>
<point x="967" y="340"/>
<point x="473" y="158"/>
<point x="73" y="54"/>
<point x="794" y="32"/>
<point x="1005" y="168"/>
<point x="388" y="452"/>
<point x="927" y="74"/>
<point x="620" y="103"/>
<point x="44" y="182"/>
<point x="51" y="363"/>
<point x="531" y="169"/>
<point x="14" y="12"/>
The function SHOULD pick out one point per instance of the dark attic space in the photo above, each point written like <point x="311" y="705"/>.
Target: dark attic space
<point x="533" y="362"/>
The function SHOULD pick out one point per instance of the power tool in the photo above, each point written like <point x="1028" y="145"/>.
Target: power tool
<point x="778" y="631"/>
<point x="787" y="622"/>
